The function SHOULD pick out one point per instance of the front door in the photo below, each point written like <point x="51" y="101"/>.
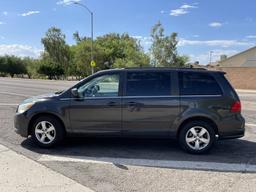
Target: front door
<point x="98" y="108"/>
<point x="149" y="106"/>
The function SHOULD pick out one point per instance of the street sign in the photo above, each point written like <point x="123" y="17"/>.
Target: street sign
<point x="93" y="63"/>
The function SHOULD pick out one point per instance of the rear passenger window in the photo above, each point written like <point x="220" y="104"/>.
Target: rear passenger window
<point x="196" y="83"/>
<point x="148" y="84"/>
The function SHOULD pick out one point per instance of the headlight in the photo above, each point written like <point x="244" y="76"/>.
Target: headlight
<point x="24" y="107"/>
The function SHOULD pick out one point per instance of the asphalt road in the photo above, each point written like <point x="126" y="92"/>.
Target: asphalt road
<point x="135" y="164"/>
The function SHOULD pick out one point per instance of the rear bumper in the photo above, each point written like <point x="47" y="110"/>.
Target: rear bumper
<point x="236" y="129"/>
<point x="21" y="124"/>
<point x="233" y="135"/>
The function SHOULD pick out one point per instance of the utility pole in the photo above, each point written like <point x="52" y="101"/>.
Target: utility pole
<point x="211" y="53"/>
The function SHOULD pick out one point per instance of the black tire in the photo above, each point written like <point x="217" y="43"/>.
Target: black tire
<point x="59" y="131"/>
<point x="185" y="130"/>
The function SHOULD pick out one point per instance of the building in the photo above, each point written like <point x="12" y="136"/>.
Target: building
<point x="241" y="69"/>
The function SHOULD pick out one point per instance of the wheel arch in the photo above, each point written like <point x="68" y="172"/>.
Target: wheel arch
<point x="198" y="118"/>
<point x="36" y="116"/>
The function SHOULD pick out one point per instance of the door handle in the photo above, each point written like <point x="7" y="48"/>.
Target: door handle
<point x="112" y="104"/>
<point x="134" y="106"/>
<point x="131" y="104"/>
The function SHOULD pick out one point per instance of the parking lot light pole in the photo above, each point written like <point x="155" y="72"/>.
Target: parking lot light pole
<point x="211" y="53"/>
<point x="92" y="31"/>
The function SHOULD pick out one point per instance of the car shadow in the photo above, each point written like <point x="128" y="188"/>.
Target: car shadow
<point x="226" y="151"/>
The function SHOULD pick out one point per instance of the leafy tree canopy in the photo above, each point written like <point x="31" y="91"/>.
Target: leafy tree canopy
<point x="113" y="50"/>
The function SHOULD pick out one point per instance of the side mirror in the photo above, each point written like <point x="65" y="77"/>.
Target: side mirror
<point x="74" y="92"/>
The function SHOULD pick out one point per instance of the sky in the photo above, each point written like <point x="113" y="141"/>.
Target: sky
<point x="203" y="26"/>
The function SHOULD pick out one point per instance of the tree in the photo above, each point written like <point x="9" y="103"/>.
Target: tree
<point x="48" y="68"/>
<point x="121" y="50"/>
<point x="57" y="50"/>
<point x="163" y="50"/>
<point x="182" y="61"/>
<point x="82" y="58"/>
<point x="53" y="72"/>
<point x="3" y="66"/>
<point x="32" y="66"/>
<point x="110" y="51"/>
<point x="78" y="38"/>
<point x="14" y="65"/>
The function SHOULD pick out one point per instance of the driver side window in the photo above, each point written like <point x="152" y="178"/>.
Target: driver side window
<point x="102" y="86"/>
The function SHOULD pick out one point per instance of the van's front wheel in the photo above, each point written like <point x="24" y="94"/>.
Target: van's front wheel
<point x="47" y="131"/>
<point x="197" y="137"/>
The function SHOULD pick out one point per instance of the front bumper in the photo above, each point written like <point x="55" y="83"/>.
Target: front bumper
<point x="21" y="124"/>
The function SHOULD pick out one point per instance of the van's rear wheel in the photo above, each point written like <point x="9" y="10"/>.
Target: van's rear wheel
<point x="47" y="131"/>
<point x="197" y="137"/>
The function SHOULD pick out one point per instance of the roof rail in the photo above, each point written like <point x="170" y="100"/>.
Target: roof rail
<point x="173" y="68"/>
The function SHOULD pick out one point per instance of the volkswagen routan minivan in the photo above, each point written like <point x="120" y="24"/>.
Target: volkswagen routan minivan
<point x="195" y="106"/>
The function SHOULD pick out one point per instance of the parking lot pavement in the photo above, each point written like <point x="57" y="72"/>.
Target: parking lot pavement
<point x="19" y="173"/>
<point x="135" y="164"/>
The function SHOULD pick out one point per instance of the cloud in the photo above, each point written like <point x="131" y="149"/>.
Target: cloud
<point x="5" y="13"/>
<point x="182" y="10"/>
<point x="186" y="6"/>
<point x="143" y="40"/>
<point x="178" y="12"/>
<point x="249" y="19"/>
<point x="251" y="37"/>
<point x="2" y="37"/>
<point x="215" y="24"/>
<point x="204" y="58"/>
<point x="67" y="2"/>
<point x="218" y="43"/>
<point x="162" y="12"/>
<point x="137" y="37"/>
<point x="19" y="50"/>
<point x="2" y="23"/>
<point x="29" y="13"/>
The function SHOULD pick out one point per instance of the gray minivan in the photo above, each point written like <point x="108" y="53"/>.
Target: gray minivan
<point x="193" y="105"/>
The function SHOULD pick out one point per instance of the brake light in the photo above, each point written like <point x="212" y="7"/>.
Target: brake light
<point x="236" y="107"/>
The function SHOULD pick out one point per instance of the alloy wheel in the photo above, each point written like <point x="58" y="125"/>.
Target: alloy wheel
<point x="197" y="138"/>
<point x="45" y="132"/>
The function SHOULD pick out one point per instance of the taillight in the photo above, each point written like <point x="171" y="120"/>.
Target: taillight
<point x="236" y="107"/>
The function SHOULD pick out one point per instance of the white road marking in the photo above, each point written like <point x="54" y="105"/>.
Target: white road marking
<point x="247" y="94"/>
<point x="193" y="165"/>
<point x="245" y="91"/>
<point x="250" y="124"/>
<point x="15" y="94"/>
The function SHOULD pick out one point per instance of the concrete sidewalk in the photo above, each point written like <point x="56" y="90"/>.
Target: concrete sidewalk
<point x="20" y="174"/>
